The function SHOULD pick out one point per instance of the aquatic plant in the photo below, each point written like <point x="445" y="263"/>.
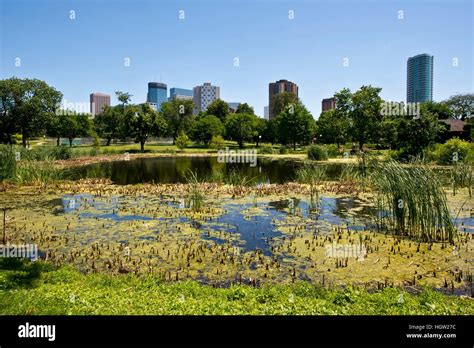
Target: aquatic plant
<point x="237" y="178"/>
<point x="311" y="175"/>
<point x="195" y="194"/>
<point x="411" y="202"/>
<point x="462" y="176"/>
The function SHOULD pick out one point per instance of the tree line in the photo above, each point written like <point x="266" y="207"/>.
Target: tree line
<point x="31" y="108"/>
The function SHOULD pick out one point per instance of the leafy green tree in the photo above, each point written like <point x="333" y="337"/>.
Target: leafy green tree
<point x="27" y="107"/>
<point x="108" y="124"/>
<point x="217" y="142"/>
<point x="218" y="108"/>
<point x="365" y="114"/>
<point x="240" y="127"/>
<point x="143" y="122"/>
<point x="74" y="126"/>
<point x="295" y="125"/>
<point x="205" y="128"/>
<point x="182" y="141"/>
<point x="178" y="114"/>
<point x="441" y="110"/>
<point x="260" y="130"/>
<point x="462" y="105"/>
<point x="333" y="127"/>
<point x="245" y="108"/>
<point x="280" y="101"/>
<point x="271" y="131"/>
<point x="124" y="98"/>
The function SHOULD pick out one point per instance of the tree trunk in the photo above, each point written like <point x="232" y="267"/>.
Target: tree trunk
<point x="57" y="141"/>
<point x="361" y="144"/>
<point x="70" y="141"/>
<point x="23" y="138"/>
<point x="294" y="146"/>
<point x="142" y="146"/>
<point x="108" y="141"/>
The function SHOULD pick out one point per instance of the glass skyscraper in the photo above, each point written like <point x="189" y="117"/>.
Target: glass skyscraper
<point x="420" y="78"/>
<point x="157" y="94"/>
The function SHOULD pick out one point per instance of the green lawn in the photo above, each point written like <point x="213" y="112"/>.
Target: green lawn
<point x="38" y="288"/>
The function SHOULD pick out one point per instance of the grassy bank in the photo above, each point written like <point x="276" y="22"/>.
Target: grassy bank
<point x="38" y="288"/>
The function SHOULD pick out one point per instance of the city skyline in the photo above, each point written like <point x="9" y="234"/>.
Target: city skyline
<point x="241" y="59"/>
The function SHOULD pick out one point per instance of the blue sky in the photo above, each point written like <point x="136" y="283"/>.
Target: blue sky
<point x="87" y="54"/>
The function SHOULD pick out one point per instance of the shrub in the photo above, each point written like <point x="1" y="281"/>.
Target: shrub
<point x="266" y="150"/>
<point x="7" y="162"/>
<point x="332" y="150"/>
<point x="453" y="150"/>
<point x="217" y="142"/>
<point x="317" y="153"/>
<point x="283" y="150"/>
<point x="182" y="141"/>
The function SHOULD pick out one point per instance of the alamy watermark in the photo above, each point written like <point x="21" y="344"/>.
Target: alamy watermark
<point x="27" y="251"/>
<point x="400" y="109"/>
<point x="237" y="156"/>
<point x="335" y="250"/>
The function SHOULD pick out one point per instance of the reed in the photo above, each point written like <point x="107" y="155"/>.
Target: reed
<point x="462" y="176"/>
<point x="311" y="175"/>
<point x="411" y="202"/>
<point x="195" y="194"/>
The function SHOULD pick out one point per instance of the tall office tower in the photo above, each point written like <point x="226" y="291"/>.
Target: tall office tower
<point x="328" y="104"/>
<point x="205" y="95"/>
<point x="180" y="93"/>
<point x="98" y="101"/>
<point x="420" y="78"/>
<point x="157" y="94"/>
<point x="278" y="87"/>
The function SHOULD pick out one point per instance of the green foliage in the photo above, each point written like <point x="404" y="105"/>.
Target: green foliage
<point x="205" y="128"/>
<point x="217" y="142"/>
<point x="7" y="162"/>
<point x="317" y="153"/>
<point x="333" y="127"/>
<point x="178" y="114"/>
<point x="281" y="101"/>
<point x="39" y="289"/>
<point x="295" y="125"/>
<point x="461" y="105"/>
<point x="218" y="108"/>
<point x="415" y="202"/>
<point x="182" y="141"/>
<point x="195" y="195"/>
<point x="245" y="108"/>
<point x="332" y="150"/>
<point x="28" y="106"/>
<point x="283" y="150"/>
<point x="265" y="150"/>
<point x="108" y="124"/>
<point x="454" y="150"/>
<point x="240" y="127"/>
<point x="142" y="122"/>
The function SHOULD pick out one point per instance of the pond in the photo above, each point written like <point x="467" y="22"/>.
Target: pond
<point x="166" y="170"/>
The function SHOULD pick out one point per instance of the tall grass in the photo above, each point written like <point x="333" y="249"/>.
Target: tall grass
<point x="237" y="178"/>
<point x="411" y="202"/>
<point x="195" y="194"/>
<point x="37" y="172"/>
<point x="462" y="176"/>
<point x="312" y="176"/>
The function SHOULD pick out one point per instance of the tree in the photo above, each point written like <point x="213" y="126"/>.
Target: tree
<point x="441" y="110"/>
<point x="240" y="127"/>
<point x="205" y="128"/>
<point x="280" y="101"/>
<point x="365" y="114"/>
<point x="295" y="125"/>
<point x="218" y="108"/>
<point x="27" y="107"/>
<point x="108" y="123"/>
<point x="73" y="126"/>
<point x="143" y="122"/>
<point x="124" y="98"/>
<point x="462" y="105"/>
<point x="178" y="114"/>
<point x="182" y="141"/>
<point x="260" y="130"/>
<point x="244" y="108"/>
<point x="333" y="127"/>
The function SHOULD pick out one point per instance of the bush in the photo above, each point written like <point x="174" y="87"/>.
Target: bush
<point x="332" y="150"/>
<point x="217" y="142"/>
<point x="453" y="150"/>
<point x="283" y="150"/>
<point x="7" y="162"/>
<point x="317" y="153"/>
<point x="266" y="150"/>
<point x="182" y="141"/>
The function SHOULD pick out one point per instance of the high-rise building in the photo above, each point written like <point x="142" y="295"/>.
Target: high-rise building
<point x="420" y="78"/>
<point x="328" y="104"/>
<point x="157" y="94"/>
<point x="180" y="93"/>
<point x="278" y="87"/>
<point x="98" y="101"/>
<point x="205" y="95"/>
